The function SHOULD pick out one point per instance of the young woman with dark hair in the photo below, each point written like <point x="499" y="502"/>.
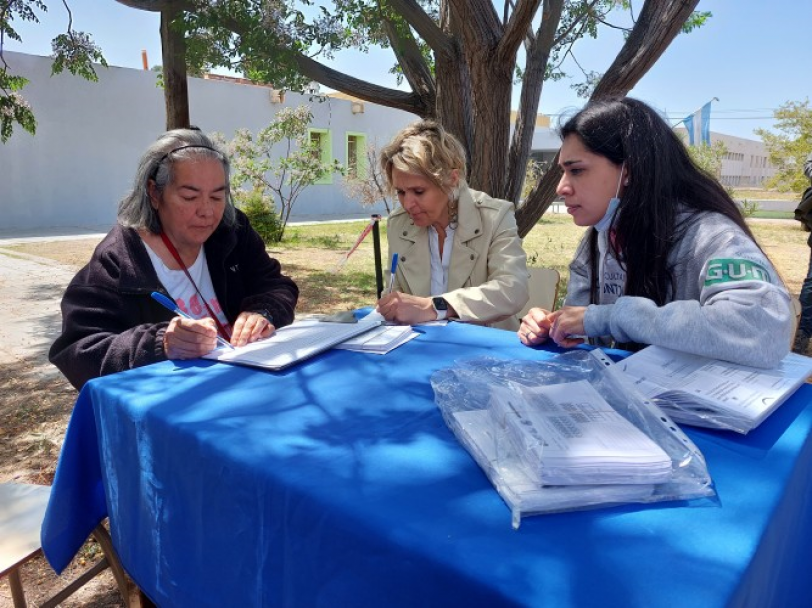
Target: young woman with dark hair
<point x="669" y="259"/>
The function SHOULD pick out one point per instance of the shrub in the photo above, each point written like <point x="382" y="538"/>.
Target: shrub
<point x="749" y="208"/>
<point x="261" y="214"/>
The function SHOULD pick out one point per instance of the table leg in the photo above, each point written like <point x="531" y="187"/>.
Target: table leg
<point x="103" y="538"/>
<point x="17" y="594"/>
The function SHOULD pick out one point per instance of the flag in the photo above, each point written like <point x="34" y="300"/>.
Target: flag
<point x="699" y="120"/>
<point x="704" y="122"/>
<point x="688" y="121"/>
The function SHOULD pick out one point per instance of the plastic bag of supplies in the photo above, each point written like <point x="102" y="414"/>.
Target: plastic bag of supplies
<point x="568" y="433"/>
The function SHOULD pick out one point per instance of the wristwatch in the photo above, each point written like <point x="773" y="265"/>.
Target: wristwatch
<point x="440" y="307"/>
<point x="264" y="313"/>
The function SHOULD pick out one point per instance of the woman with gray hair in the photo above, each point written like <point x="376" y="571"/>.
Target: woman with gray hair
<point x="459" y="253"/>
<point x="179" y="234"/>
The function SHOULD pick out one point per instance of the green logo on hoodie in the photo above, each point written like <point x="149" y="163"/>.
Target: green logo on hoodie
<point x="725" y="270"/>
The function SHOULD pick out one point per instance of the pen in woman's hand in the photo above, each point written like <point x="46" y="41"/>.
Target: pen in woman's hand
<point x="171" y="305"/>
<point x="392" y="273"/>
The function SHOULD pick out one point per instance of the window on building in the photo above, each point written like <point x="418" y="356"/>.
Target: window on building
<point x="322" y="142"/>
<point x="357" y="162"/>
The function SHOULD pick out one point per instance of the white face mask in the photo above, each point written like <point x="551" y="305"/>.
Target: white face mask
<point x="606" y="220"/>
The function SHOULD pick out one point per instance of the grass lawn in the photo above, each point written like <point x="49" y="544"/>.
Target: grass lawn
<point x="765" y="195"/>
<point x="774" y="215"/>
<point x="312" y="255"/>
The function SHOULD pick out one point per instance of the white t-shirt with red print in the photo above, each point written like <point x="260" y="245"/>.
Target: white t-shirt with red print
<point x="181" y="290"/>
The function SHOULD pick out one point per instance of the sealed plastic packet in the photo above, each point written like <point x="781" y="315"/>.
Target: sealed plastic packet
<point x="568" y="433"/>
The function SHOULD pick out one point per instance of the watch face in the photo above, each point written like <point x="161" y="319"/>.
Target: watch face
<point x="440" y="303"/>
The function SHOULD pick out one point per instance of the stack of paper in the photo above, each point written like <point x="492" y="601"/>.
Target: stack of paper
<point x="519" y="488"/>
<point x="567" y="434"/>
<point x="380" y="340"/>
<point x="712" y="393"/>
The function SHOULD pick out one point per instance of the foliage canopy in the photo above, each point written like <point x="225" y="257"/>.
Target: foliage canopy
<point x="72" y="50"/>
<point x="789" y="148"/>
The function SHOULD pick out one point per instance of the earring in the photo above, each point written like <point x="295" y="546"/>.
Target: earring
<point x="625" y="182"/>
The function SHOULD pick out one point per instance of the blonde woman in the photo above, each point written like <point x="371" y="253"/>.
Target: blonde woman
<point x="459" y="253"/>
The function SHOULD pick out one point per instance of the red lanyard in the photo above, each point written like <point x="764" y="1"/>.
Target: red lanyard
<point x="220" y="329"/>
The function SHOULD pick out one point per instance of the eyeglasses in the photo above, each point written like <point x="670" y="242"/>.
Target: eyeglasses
<point x="168" y="154"/>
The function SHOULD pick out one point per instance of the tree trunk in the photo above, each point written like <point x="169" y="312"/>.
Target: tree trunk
<point x="176" y="91"/>
<point x="658" y="24"/>
<point x="479" y="32"/>
<point x="492" y="85"/>
<point x="538" y="55"/>
<point x="453" y="85"/>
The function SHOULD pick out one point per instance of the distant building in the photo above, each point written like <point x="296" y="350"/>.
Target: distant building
<point x="746" y="163"/>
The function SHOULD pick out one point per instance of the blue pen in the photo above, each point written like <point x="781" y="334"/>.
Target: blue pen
<point x="392" y="272"/>
<point x="171" y="305"/>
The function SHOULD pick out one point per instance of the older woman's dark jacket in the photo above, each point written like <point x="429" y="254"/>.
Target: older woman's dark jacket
<point x="110" y="322"/>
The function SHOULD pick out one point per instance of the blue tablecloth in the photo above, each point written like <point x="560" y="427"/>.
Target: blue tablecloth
<point x="337" y="483"/>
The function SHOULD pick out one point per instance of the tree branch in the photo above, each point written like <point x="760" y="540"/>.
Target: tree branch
<point x="156" y="6"/>
<point x="659" y="23"/>
<point x="574" y="24"/>
<point x="479" y="19"/>
<point x="657" y="26"/>
<point x="538" y="57"/>
<point x="424" y="25"/>
<point x="312" y="69"/>
<point x="392" y="98"/>
<point x="411" y="60"/>
<point x="516" y="29"/>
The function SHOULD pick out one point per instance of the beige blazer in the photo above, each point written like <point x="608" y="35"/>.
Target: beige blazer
<point x="487" y="278"/>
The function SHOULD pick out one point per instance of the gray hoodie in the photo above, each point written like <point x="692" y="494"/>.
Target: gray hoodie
<point x="728" y="301"/>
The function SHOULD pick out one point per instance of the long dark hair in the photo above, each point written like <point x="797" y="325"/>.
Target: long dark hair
<point x="663" y="181"/>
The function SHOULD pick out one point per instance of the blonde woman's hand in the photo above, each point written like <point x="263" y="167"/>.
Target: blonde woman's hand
<point x="406" y="309"/>
<point x="535" y="327"/>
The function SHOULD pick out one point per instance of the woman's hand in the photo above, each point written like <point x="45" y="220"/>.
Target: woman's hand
<point x="535" y="327"/>
<point x="567" y="328"/>
<point x="189" y="338"/>
<point x="406" y="309"/>
<point x="250" y="327"/>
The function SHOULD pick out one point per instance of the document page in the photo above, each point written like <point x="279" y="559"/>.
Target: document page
<point x="380" y="340"/>
<point x="701" y="382"/>
<point x="294" y="343"/>
<point x="568" y="434"/>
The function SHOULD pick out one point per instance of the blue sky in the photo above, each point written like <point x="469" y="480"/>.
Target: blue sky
<point x="751" y="55"/>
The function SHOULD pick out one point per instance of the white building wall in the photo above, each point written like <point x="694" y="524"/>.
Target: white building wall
<point x="746" y="162"/>
<point x="90" y="136"/>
